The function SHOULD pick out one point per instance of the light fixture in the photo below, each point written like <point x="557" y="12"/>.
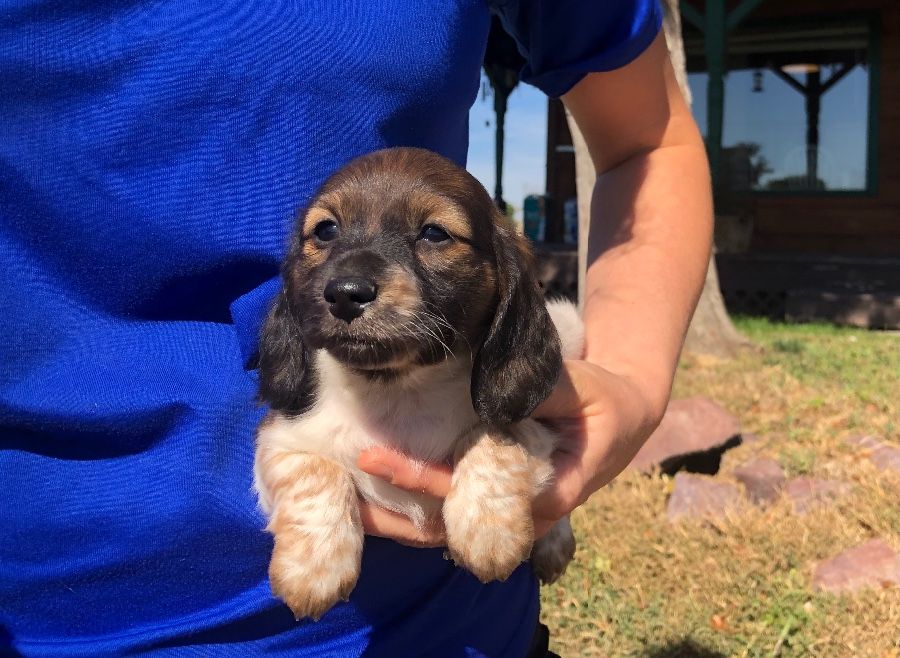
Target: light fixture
<point x="757" y="81"/>
<point x="801" y="68"/>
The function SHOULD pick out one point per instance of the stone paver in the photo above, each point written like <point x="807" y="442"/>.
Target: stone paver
<point x="809" y="492"/>
<point x="884" y="455"/>
<point x="697" y="497"/>
<point x="871" y="564"/>
<point x="695" y="429"/>
<point x="763" y="479"/>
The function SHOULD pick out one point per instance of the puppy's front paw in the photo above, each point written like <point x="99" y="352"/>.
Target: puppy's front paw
<point x="489" y="538"/>
<point x="488" y="512"/>
<point x="315" y="520"/>
<point x="553" y="552"/>
<point x="311" y="576"/>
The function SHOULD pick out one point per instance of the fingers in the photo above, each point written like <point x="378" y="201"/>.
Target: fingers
<point x="380" y="522"/>
<point x="405" y="473"/>
<point x="401" y="471"/>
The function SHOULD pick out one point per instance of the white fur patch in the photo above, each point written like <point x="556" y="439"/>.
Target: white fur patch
<point x="421" y="415"/>
<point x="569" y="326"/>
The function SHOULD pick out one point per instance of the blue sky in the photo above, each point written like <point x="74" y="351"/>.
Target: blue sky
<point x="526" y="143"/>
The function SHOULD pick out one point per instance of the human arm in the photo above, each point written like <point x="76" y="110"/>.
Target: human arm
<point x="648" y="250"/>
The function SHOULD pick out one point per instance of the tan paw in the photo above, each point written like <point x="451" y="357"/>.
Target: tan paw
<point x="311" y="577"/>
<point x="553" y="552"/>
<point x="490" y="538"/>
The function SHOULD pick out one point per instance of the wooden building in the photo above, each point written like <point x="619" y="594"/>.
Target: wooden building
<point x="799" y="103"/>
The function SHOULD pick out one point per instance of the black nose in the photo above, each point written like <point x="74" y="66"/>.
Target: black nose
<point x="348" y="296"/>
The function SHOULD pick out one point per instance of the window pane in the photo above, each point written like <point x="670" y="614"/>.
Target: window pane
<point x="796" y="110"/>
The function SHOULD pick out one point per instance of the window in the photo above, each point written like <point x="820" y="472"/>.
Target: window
<point x="796" y="116"/>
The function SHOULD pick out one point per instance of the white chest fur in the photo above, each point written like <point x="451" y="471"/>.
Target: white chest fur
<point x="422" y="415"/>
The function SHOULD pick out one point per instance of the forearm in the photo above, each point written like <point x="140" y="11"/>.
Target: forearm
<point x="648" y="250"/>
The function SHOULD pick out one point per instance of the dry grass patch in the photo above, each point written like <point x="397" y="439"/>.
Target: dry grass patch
<point x="641" y="586"/>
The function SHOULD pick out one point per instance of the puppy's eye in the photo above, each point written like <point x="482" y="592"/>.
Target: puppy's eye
<point x="433" y="233"/>
<point x="326" y="231"/>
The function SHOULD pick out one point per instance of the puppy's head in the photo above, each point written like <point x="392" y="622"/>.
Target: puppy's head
<point x="400" y="261"/>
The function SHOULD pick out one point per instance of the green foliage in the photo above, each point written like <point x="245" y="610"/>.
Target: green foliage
<point x="865" y="365"/>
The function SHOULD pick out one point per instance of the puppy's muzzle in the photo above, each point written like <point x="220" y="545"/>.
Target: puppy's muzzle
<point x="348" y="296"/>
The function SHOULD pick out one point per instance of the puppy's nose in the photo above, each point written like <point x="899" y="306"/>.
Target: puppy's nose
<point x="348" y="295"/>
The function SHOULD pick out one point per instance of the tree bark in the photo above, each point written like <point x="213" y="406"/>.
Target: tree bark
<point x="711" y="330"/>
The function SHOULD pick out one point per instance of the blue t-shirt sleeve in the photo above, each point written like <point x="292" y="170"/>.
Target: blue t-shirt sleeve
<point x="564" y="40"/>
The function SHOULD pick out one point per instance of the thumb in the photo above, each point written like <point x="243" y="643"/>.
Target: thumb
<point x="564" y="400"/>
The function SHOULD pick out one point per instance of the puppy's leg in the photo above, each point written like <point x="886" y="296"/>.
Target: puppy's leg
<point x="488" y="512"/>
<point x="553" y="552"/>
<point x="318" y="534"/>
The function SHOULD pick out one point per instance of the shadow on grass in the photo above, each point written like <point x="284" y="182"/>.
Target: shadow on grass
<point x="683" y="649"/>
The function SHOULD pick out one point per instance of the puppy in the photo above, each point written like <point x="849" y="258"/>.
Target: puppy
<point x="409" y="317"/>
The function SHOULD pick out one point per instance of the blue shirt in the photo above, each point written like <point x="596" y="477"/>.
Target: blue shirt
<point x="153" y="156"/>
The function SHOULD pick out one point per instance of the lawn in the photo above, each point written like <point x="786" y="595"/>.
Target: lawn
<point x="641" y="586"/>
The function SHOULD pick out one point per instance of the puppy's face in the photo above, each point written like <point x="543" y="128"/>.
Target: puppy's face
<point x="402" y="260"/>
<point x="393" y="265"/>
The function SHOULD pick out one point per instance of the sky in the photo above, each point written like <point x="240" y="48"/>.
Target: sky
<point x="526" y="144"/>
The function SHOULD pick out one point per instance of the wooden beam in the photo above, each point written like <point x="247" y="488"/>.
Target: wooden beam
<point x="691" y="15"/>
<point x="823" y="87"/>
<point x="739" y="13"/>
<point x="788" y="78"/>
<point x="837" y="77"/>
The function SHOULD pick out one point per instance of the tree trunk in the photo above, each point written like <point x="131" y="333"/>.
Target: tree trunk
<point x="711" y="330"/>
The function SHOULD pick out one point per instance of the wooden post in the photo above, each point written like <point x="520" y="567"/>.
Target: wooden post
<point x="714" y="46"/>
<point x="500" y="103"/>
<point x="715" y="25"/>
<point x="812" y="92"/>
<point x="813" y="105"/>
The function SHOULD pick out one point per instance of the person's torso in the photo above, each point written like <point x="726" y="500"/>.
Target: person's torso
<point x="153" y="156"/>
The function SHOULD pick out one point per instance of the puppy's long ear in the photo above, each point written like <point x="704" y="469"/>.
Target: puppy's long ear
<point x="519" y="361"/>
<point x="285" y="379"/>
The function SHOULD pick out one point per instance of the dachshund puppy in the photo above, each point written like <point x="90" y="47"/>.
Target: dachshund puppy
<point x="409" y="317"/>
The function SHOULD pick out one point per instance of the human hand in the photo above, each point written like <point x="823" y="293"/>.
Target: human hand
<point x="431" y="479"/>
<point x="602" y="420"/>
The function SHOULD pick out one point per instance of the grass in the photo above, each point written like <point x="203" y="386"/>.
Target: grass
<point x="741" y="586"/>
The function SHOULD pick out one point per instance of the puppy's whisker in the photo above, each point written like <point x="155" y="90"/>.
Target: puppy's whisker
<point x="420" y="320"/>
<point x="441" y="319"/>
<point x="426" y="330"/>
<point x="428" y="316"/>
<point x="437" y="314"/>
